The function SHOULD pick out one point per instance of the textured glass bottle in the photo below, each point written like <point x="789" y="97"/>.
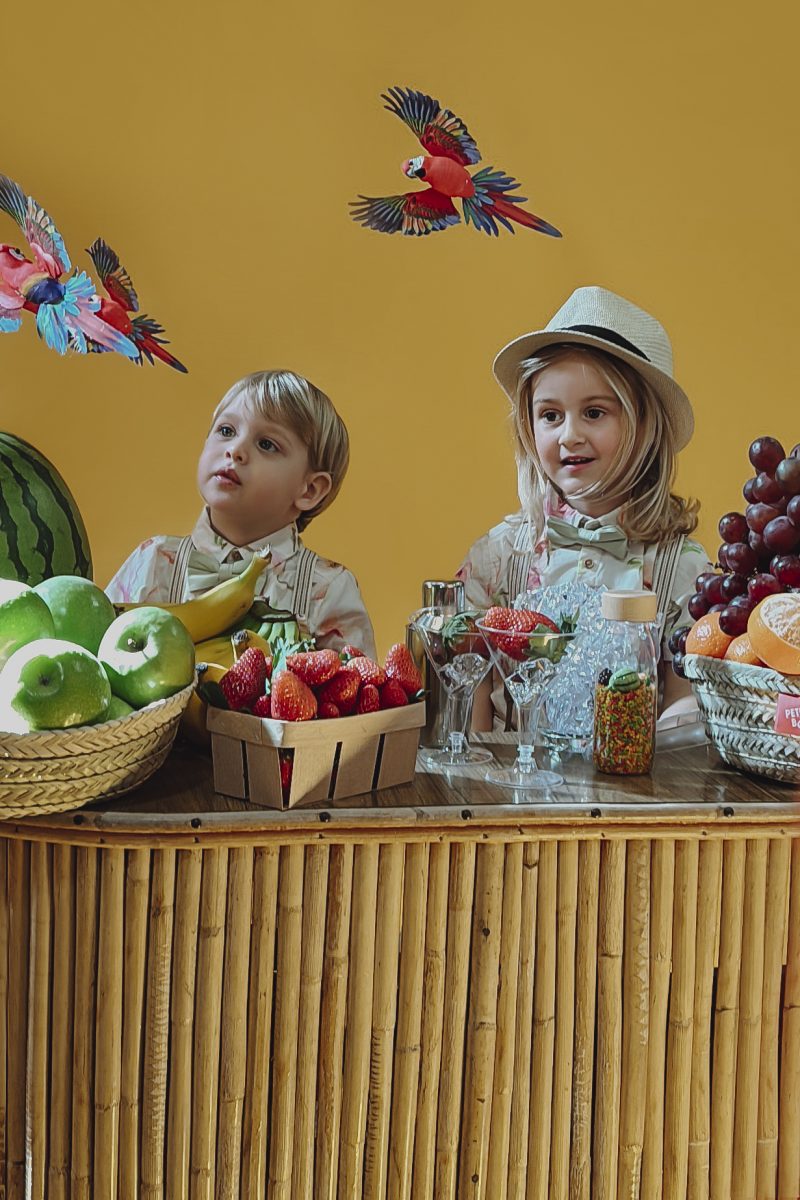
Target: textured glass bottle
<point x="626" y="688"/>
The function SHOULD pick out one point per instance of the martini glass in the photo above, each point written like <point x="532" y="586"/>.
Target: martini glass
<point x="527" y="663"/>
<point x="460" y="657"/>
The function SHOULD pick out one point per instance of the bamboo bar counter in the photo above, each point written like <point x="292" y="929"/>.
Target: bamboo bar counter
<point x="430" y="992"/>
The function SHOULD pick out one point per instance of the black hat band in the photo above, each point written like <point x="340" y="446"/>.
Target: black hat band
<point x="608" y="335"/>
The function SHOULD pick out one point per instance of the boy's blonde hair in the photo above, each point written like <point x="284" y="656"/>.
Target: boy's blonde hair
<point x="295" y="402"/>
<point x="643" y="468"/>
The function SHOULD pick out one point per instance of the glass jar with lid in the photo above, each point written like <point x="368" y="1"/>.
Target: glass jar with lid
<point x="626" y="687"/>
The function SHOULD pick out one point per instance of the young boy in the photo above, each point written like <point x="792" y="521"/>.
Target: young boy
<point x="274" y="458"/>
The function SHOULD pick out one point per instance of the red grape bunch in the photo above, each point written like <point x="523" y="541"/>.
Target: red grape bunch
<point x="760" y="551"/>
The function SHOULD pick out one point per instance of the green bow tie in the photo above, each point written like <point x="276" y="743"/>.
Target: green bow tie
<point x="609" y="538"/>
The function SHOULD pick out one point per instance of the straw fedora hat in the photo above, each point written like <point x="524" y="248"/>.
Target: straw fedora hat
<point x="593" y="316"/>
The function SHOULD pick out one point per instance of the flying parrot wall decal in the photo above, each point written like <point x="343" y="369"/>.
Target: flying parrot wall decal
<point x="122" y="300"/>
<point x="67" y="313"/>
<point x="486" y="197"/>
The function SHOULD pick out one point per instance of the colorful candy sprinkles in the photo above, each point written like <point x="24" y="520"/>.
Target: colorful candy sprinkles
<point x="624" y="723"/>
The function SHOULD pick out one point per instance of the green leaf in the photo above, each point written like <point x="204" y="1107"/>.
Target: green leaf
<point x="213" y="694"/>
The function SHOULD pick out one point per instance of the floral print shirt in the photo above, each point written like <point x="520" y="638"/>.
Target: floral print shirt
<point x="337" y="615"/>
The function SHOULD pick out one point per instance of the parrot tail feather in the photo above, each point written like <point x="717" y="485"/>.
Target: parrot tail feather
<point x="494" y="202"/>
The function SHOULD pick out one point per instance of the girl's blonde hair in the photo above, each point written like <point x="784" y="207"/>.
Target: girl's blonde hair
<point x="644" y="466"/>
<point x="295" y="402"/>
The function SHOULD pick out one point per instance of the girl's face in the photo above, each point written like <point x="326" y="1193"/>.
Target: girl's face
<point x="254" y="475"/>
<point x="577" y="427"/>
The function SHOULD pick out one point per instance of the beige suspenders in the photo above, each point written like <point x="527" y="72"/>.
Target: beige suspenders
<point x="301" y="593"/>
<point x="520" y="563"/>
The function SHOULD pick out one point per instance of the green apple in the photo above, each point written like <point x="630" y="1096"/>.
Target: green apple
<point x="147" y="654"/>
<point x="53" y="684"/>
<point x="24" y="616"/>
<point x="118" y="708"/>
<point x="81" y="611"/>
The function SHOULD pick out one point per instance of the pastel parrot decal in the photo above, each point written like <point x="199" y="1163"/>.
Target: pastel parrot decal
<point x="487" y="198"/>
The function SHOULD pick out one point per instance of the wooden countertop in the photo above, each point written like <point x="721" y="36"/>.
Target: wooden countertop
<point x="689" y="793"/>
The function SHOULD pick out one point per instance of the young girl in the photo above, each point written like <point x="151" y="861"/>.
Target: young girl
<point x="598" y="422"/>
<point x="274" y="458"/>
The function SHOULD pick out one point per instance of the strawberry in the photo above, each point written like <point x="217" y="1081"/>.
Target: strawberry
<point x="369" y="671"/>
<point x="342" y="690"/>
<point x="401" y="667"/>
<point x="347" y="652"/>
<point x="286" y="760"/>
<point x="518" y="620"/>
<point x="245" y="681"/>
<point x="292" y="700"/>
<point x="328" y="711"/>
<point x="314" y="667"/>
<point x="393" y="694"/>
<point x="461" y="635"/>
<point x="369" y="699"/>
<point x="262" y="706"/>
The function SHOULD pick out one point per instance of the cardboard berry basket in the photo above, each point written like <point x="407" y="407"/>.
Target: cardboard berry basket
<point x="751" y="715"/>
<point x="332" y="759"/>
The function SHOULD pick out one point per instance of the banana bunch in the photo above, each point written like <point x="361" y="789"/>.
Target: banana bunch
<point x="209" y="615"/>
<point x="193" y="720"/>
<point x="223" y="651"/>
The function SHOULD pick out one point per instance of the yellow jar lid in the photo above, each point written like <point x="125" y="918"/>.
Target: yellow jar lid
<point x="629" y="606"/>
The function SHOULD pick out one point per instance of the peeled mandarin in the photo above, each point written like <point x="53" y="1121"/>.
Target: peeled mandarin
<point x="774" y="632"/>
<point x="740" y="650"/>
<point x="706" y="637"/>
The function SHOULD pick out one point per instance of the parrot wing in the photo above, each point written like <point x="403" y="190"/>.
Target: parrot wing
<point x="415" y="213"/>
<point x="113" y="276"/>
<point x="41" y="234"/>
<point x="441" y="132"/>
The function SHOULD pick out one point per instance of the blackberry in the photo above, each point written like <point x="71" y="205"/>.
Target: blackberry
<point x="604" y="677"/>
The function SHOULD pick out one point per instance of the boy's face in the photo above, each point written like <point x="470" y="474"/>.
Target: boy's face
<point x="254" y="475"/>
<point x="577" y="427"/>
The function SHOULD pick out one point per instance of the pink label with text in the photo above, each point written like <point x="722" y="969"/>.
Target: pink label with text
<point x="787" y="718"/>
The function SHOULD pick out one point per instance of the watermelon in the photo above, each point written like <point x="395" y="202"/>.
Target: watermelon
<point x="41" y="530"/>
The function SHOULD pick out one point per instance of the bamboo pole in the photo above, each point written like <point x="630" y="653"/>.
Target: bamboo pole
<point x="566" y="917"/>
<point x="580" y="1170"/>
<point x="331" y="1038"/>
<point x="708" y="895"/>
<point x="482" y="1020"/>
<point x="259" y="1022"/>
<point x="544" y="999"/>
<point x="679" y="1036"/>
<point x="405" y="1081"/>
<point x="789" y="1142"/>
<point x="609" y="1020"/>
<point x="137" y="886"/>
<point x="36" y="1104"/>
<point x="62" y="1021"/>
<point x="205" y="1078"/>
<point x="184" y="991"/>
<point x="384" y="1018"/>
<point x="774" y="932"/>
<point x="4" y="948"/>
<point x="108" y="1037"/>
<point x="635" y="1017"/>
<point x="503" y="1087"/>
<point x="662" y="875"/>
<point x="523" y="1033"/>
<point x="287" y="1001"/>
<point x="315" y="888"/>
<point x="156" y="1034"/>
<point x="86" y="903"/>
<point x="359" y="1019"/>
<point x="17" y="1030"/>
<point x="748" y="1054"/>
<point x="233" y="1059"/>
<point x="431" y="1021"/>
<point x="459" y="922"/>
<point x="726" y="1020"/>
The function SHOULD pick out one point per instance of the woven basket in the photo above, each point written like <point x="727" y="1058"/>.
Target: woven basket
<point x="738" y="703"/>
<point x="61" y="769"/>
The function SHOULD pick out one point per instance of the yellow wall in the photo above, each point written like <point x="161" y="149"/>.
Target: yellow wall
<point x="216" y="147"/>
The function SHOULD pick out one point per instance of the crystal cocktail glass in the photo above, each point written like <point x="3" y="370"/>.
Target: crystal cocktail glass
<point x="460" y="657"/>
<point x="527" y="662"/>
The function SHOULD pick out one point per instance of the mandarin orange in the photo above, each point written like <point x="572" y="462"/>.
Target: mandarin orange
<point x="706" y="637"/>
<point x="740" y="650"/>
<point x="774" y="632"/>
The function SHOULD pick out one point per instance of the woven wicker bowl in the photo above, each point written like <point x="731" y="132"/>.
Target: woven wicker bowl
<point x="738" y="703"/>
<point x="62" y="769"/>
